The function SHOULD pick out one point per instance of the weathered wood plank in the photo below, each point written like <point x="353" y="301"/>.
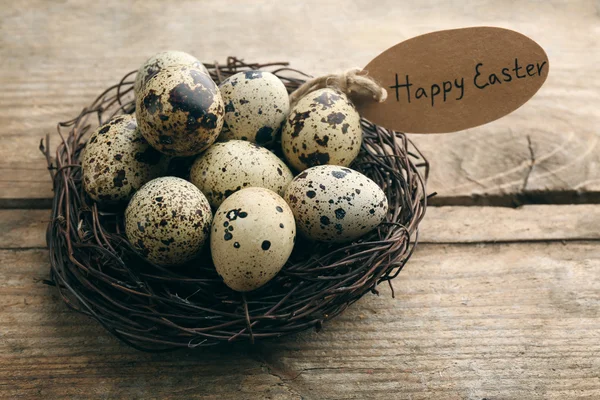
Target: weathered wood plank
<point x="23" y="228"/>
<point x="546" y="151"/>
<point x="503" y="224"/>
<point x="468" y="322"/>
<point x="27" y="228"/>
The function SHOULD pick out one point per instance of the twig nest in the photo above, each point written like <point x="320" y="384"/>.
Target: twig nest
<point x="230" y="166"/>
<point x="163" y="60"/>
<point x="253" y="234"/>
<point x="118" y="160"/>
<point x="108" y="265"/>
<point x="256" y="104"/>
<point x="180" y="111"/>
<point x="168" y="220"/>
<point x="335" y="204"/>
<point x="323" y="128"/>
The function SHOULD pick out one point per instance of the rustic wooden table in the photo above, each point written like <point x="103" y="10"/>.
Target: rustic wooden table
<point x="498" y="302"/>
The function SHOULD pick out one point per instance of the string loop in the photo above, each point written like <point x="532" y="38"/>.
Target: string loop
<point x="353" y="82"/>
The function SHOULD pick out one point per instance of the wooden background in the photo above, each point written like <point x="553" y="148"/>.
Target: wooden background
<point x="497" y="303"/>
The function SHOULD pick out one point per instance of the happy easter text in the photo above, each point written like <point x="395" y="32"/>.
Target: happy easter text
<point x="455" y="89"/>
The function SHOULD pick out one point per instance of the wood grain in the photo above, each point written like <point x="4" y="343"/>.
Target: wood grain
<point x="502" y="224"/>
<point x="56" y="59"/>
<point x="21" y="229"/>
<point x="499" y="321"/>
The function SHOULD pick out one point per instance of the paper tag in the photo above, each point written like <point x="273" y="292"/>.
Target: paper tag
<point x="456" y="79"/>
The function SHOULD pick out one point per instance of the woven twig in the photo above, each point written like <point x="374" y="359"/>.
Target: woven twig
<point x="150" y="308"/>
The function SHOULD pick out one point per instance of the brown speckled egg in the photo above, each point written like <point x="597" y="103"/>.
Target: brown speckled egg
<point x="323" y="128"/>
<point x="252" y="236"/>
<point x="180" y="111"/>
<point x="335" y="204"/>
<point x="230" y="166"/>
<point x="162" y="60"/>
<point x="117" y="161"/>
<point x="168" y="220"/>
<point x="256" y="104"/>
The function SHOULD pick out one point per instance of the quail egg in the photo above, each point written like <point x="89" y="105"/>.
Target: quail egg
<point x="252" y="237"/>
<point x="256" y="104"/>
<point x="117" y="161"/>
<point x="323" y="128"/>
<point x="335" y="204"/>
<point x="162" y="60"/>
<point x="168" y="221"/>
<point x="180" y="111"/>
<point x="233" y="165"/>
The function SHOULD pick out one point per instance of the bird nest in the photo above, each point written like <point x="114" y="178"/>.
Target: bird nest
<point x="99" y="274"/>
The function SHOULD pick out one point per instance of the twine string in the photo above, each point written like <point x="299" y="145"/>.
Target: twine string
<point x="353" y="82"/>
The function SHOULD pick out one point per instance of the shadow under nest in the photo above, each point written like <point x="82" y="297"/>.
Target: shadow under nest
<point x="156" y="309"/>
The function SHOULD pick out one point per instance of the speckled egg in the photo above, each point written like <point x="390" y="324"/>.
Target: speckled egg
<point x="323" y="128"/>
<point x="256" y="104"/>
<point x="162" y="60"/>
<point x="227" y="167"/>
<point x="252" y="237"/>
<point x="117" y="161"/>
<point x="335" y="204"/>
<point x="168" y="221"/>
<point x="180" y="111"/>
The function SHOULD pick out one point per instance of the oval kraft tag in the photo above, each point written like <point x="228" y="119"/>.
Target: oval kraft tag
<point x="456" y="79"/>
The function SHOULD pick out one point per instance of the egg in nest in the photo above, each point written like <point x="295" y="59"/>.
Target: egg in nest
<point x="117" y="161"/>
<point x="253" y="234"/>
<point x="335" y="204"/>
<point x="163" y="60"/>
<point x="168" y="221"/>
<point x="323" y="128"/>
<point x="256" y="104"/>
<point x="180" y="111"/>
<point x="227" y="167"/>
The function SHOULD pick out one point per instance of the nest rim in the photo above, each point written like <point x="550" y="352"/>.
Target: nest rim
<point x="99" y="274"/>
